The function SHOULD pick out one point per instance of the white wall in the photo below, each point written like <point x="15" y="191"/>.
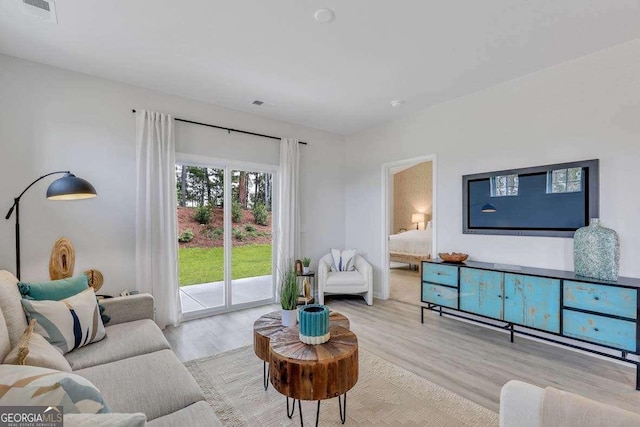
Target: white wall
<point x="584" y="109"/>
<point x="54" y="119"/>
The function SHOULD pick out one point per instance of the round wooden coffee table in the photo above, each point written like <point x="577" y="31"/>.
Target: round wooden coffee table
<point x="314" y="372"/>
<point x="268" y="325"/>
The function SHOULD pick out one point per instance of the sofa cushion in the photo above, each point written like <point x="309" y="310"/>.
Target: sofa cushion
<point x="345" y="278"/>
<point x="105" y="420"/>
<point x="34" y="386"/>
<point x="122" y="341"/>
<point x="199" y="414"/>
<point x="11" y="306"/>
<point x="561" y="408"/>
<point x="55" y="289"/>
<point x="69" y="323"/>
<point x="155" y="383"/>
<point x="5" y="343"/>
<point x="34" y="350"/>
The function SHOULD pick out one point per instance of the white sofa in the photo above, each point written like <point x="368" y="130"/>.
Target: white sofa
<point x="526" y="405"/>
<point x="133" y="366"/>
<point x="359" y="281"/>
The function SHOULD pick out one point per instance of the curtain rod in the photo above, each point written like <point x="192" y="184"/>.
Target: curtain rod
<point x="230" y="129"/>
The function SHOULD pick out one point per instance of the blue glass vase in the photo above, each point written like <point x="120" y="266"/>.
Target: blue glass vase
<point x="596" y="252"/>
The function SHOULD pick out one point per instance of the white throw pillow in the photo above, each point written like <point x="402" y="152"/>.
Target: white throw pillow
<point x="11" y="307"/>
<point x="343" y="260"/>
<point x="69" y="323"/>
<point x="105" y="420"/>
<point x="34" y="350"/>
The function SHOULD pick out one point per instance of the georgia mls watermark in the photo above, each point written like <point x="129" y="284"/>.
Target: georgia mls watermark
<point x="31" y="416"/>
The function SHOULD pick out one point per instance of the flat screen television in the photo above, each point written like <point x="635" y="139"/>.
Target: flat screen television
<point x="551" y="200"/>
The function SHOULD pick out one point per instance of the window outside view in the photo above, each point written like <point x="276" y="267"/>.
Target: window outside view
<point x="200" y="195"/>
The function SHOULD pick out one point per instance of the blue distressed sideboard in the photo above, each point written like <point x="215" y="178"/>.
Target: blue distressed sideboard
<point x="535" y="300"/>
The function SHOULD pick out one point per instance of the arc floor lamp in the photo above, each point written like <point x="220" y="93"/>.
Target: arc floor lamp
<point x="69" y="187"/>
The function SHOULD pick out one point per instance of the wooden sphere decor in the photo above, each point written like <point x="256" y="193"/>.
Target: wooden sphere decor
<point x="314" y="372"/>
<point x="62" y="260"/>
<point x="95" y="279"/>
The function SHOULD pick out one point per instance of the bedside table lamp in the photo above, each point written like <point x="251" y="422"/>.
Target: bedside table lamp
<point x="417" y="218"/>
<point x="69" y="187"/>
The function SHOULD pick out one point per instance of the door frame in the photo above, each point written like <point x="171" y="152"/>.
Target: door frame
<point x="229" y="165"/>
<point x="388" y="170"/>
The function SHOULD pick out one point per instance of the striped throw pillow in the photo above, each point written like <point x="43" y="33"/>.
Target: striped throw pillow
<point x="343" y="260"/>
<point x="30" y="385"/>
<point x="69" y="323"/>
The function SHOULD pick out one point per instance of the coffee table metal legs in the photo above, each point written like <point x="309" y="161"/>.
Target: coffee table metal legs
<point x="343" y="413"/>
<point x="265" y="375"/>
<point x="342" y="406"/>
<point x="293" y="409"/>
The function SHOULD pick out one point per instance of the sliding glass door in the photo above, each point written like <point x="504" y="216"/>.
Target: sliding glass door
<point x="225" y="236"/>
<point x="251" y="237"/>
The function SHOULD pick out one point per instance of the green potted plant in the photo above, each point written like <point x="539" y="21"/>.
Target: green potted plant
<point x="289" y="295"/>
<point x="306" y="262"/>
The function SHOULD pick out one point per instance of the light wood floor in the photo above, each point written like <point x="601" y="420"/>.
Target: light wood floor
<point x="404" y="285"/>
<point x="467" y="359"/>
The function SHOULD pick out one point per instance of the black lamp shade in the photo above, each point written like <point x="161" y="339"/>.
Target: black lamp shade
<point x="70" y="187"/>
<point x="488" y="208"/>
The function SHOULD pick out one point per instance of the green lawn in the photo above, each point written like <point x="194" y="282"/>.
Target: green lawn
<point x="204" y="265"/>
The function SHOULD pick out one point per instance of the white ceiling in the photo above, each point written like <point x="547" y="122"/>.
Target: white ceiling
<point x="339" y="77"/>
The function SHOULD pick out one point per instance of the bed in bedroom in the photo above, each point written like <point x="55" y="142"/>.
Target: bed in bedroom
<point x="411" y="247"/>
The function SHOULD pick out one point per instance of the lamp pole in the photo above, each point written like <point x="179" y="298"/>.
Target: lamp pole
<point x="70" y="187"/>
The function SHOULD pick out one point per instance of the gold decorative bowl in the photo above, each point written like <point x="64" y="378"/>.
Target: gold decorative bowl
<point x="453" y="256"/>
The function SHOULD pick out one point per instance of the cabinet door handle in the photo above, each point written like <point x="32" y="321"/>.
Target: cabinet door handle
<point x="506" y="297"/>
<point x="438" y="295"/>
<point x="596" y="329"/>
<point x="499" y="296"/>
<point x="596" y="298"/>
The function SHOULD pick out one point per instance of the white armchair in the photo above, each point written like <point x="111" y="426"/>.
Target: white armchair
<point x="359" y="281"/>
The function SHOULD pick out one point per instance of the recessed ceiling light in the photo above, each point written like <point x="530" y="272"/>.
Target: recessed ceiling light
<point x="257" y="102"/>
<point x="397" y="103"/>
<point x="324" y="16"/>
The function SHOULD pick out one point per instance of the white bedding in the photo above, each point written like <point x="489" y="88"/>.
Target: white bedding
<point x="413" y="242"/>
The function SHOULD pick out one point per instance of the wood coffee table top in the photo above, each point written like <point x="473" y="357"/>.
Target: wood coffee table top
<point x="314" y="372"/>
<point x="269" y="324"/>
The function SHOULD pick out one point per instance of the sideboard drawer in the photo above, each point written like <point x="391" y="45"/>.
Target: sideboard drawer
<point x="440" y="295"/>
<point x="438" y="273"/>
<point x="601" y="298"/>
<point x="608" y="331"/>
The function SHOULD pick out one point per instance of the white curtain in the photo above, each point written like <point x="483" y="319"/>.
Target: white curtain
<point x="156" y="223"/>
<point x="288" y="239"/>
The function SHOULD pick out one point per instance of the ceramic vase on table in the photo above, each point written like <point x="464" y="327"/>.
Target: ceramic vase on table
<point x="596" y="252"/>
<point x="289" y="317"/>
<point x="305" y="270"/>
<point x="314" y="324"/>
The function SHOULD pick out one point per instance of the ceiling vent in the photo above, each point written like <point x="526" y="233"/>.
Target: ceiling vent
<point x="257" y="102"/>
<point x="42" y="10"/>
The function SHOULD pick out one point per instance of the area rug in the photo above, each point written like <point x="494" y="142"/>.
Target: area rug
<point x="385" y="394"/>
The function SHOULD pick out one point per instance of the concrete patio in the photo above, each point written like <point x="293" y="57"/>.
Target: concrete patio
<point x="209" y="295"/>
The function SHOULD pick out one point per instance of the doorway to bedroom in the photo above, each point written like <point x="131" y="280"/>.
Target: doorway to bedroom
<point x="409" y="225"/>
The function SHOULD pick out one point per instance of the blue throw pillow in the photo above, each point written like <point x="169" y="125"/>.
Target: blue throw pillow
<point x="54" y="290"/>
